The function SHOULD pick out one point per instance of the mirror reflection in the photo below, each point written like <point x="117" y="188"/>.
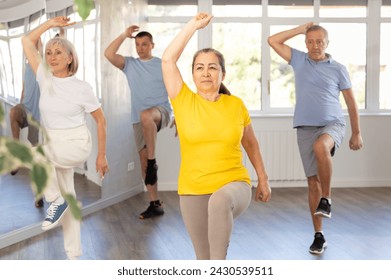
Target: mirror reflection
<point x="17" y="198"/>
<point x="20" y="218"/>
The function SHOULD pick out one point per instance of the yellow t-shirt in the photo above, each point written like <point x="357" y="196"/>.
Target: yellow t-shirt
<point x="210" y="136"/>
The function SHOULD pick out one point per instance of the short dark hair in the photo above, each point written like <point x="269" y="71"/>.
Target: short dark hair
<point x="144" y="34"/>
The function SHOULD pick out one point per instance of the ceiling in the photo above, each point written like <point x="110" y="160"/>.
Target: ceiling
<point x="12" y="10"/>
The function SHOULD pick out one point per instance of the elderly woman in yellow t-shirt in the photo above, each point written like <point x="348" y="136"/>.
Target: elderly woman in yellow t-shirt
<point x="214" y="186"/>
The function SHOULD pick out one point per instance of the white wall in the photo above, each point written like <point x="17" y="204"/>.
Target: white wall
<point x="116" y="15"/>
<point x="371" y="166"/>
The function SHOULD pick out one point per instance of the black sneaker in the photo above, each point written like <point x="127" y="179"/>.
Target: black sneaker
<point x="319" y="244"/>
<point x="13" y="172"/>
<point x="154" y="209"/>
<point x="324" y="208"/>
<point x="39" y="203"/>
<point x="151" y="174"/>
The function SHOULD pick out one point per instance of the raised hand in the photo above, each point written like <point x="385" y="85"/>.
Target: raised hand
<point x="60" y="21"/>
<point x="202" y="20"/>
<point x="130" y="30"/>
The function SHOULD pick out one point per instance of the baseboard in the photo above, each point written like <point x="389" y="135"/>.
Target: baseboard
<point x="336" y="183"/>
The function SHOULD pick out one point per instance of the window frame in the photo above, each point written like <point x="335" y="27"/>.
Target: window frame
<point x="372" y="21"/>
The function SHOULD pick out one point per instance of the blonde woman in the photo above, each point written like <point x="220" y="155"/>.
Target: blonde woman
<point x="64" y="103"/>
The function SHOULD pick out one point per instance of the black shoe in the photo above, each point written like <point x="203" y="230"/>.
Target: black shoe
<point x="154" y="209"/>
<point x="151" y="174"/>
<point x="319" y="244"/>
<point x="324" y="208"/>
<point x="13" y="172"/>
<point x="39" y="203"/>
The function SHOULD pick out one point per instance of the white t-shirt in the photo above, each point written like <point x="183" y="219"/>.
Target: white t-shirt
<point x="64" y="102"/>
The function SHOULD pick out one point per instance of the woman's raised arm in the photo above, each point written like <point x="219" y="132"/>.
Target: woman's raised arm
<point x="171" y="75"/>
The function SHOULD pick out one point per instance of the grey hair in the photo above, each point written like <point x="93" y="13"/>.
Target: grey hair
<point x="316" y="28"/>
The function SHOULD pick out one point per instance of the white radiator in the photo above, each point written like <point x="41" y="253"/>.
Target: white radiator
<point x="280" y="155"/>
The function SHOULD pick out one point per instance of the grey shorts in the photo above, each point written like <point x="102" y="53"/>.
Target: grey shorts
<point x="138" y="131"/>
<point x="306" y="137"/>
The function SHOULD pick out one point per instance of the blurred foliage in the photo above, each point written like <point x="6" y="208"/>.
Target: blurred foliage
<point x="14" y="155"/>
<point x="84" y="7"/>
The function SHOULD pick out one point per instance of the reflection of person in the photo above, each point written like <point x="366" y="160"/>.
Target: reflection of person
<point x="28" y="105"/>
<point x="64" y="102"/>
<point x="214" y="186"/>
<point x="150" y="106"/>
<point x="318" y="116"/>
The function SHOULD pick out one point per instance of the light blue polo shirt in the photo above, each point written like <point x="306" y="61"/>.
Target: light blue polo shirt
<point x="318" y="86"/>
<point x="146" y="84"/>
<point x="31" y="93"/>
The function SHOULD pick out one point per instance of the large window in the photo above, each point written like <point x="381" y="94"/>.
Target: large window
<point x="385" y="57"/>
<point x="258" y="75"/>
<point x="242" y="59"/>
<point x="358" y="33"/>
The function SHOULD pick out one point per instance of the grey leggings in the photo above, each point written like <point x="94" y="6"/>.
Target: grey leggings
<point x="209" y="218"/>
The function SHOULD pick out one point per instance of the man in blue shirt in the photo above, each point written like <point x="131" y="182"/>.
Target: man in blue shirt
<point x="318" y="115"/>
<point x="150" y="107"/>
<point x="29" y="104"/>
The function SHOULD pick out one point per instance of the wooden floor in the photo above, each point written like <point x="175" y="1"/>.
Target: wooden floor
<point x="17" y="208"/>
<point x="279" y="230"/>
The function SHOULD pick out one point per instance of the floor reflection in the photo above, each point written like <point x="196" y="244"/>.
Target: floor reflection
<point x="17" y="207"/>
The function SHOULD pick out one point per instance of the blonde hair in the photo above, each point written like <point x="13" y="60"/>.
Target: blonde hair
<point x="70" y="49"/>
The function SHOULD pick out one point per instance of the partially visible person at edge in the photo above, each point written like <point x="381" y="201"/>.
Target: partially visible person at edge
<point x="29" y="101"/>
<point x="213" y="185"/>
<point x="150" y="107"/>
<point x="64" y="103"/>
<point x="318" y="115"/>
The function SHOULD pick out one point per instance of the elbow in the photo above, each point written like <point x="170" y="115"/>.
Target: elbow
<point x="107" y="54"/>
<point x="165" y="59"/>
<point x="165" y="63"/>
<point x="270" y="40"/>
<point x="24" y="40"/>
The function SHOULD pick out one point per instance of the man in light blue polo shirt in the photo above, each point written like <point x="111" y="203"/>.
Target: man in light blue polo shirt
<point x="150" y="110"/>
<point x="318" y="115"/>
<point x="29" y="102"/>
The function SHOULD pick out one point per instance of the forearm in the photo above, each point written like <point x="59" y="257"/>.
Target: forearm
<point x="35" y="34"/>
<point x="114" y="46"/>
<point x="354" y="119"/>
<point x="282" y="37"/>
<point x="30" y="42"/>
<point x="351" y="104"/>
<point x="257" y="162"/>
<point x="176" y="47"/>
<point x="101" y="139"/>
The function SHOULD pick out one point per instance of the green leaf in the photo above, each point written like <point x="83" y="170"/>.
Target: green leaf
<point x="74" y="205"/>
<point x="2" y="163"/>
<point x="40" y="150"/>
<point x="1" y="112"/>
<point x="84" y="7"/>
<point x="20" y="151"/>
<point x="39" y="178"/>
